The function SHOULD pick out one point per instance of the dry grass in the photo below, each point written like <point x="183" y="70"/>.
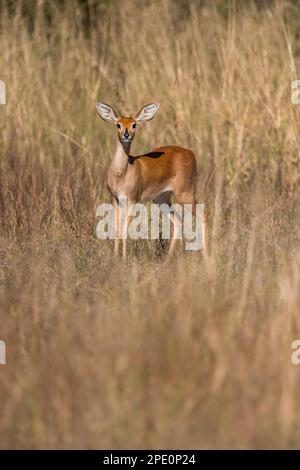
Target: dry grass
<point x="102" y="354"/>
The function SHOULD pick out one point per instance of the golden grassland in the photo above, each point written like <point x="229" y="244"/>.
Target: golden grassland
<point x="194" y="354"/>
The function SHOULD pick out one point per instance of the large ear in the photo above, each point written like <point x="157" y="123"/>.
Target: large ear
<point x="147" y="112"/>
<point x="106" y="112"/>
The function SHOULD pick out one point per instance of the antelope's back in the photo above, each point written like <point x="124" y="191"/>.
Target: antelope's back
<point x="168" y="163"/>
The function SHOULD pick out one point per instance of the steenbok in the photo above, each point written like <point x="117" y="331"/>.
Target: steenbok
<point x="154" y="176"/>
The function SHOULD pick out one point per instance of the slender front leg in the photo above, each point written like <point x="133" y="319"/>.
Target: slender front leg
<point x="125" y="233"/>
<point x="117" y="228"/>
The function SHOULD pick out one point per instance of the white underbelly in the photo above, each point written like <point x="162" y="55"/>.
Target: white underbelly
<point x="153" y="195"/>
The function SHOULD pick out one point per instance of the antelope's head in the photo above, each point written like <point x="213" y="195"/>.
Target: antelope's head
<point x="126" y="126"/>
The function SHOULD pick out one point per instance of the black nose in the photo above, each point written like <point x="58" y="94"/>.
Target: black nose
<point x="126" y="133"/>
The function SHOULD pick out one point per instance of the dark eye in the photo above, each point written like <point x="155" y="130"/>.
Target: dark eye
<point x="119" y="126"/>
<point x="134" y="126"/>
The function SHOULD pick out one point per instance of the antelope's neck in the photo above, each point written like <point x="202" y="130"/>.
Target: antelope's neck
<point x="120" y="160"/>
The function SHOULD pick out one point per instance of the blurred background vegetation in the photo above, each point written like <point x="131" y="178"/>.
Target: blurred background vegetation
<point x="194" y="354"/>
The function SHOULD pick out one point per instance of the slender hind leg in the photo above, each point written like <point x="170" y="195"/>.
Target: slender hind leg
<point x="175" y="219"/>
<point x="190" y="198"/>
